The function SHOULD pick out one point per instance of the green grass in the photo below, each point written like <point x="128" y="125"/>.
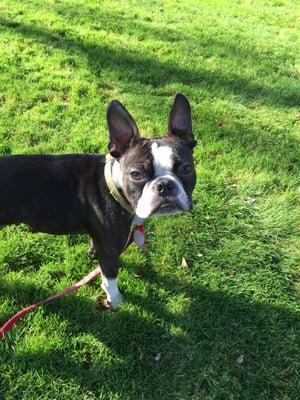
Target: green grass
<point x="61" y="62"/>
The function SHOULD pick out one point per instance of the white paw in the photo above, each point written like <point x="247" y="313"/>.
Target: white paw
<point x="116" y="301"/>
<point x="114" y="297"/>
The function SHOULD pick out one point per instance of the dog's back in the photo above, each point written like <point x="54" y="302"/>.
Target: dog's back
<point x="47" y="189"/>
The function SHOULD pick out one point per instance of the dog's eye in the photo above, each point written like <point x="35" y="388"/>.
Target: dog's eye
<point x="136" y="175"/>
<point x="186" y="169"/>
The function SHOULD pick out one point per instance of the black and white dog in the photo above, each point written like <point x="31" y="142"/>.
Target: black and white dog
<point x="70" y="193"/>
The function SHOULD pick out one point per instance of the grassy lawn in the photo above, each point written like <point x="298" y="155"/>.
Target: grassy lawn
<point x="225" y="326"/>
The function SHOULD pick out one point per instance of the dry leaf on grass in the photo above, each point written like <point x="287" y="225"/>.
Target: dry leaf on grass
<point x="240" y="359"/>
<point x="184" y="263"/>
<point x="250" y="200"/>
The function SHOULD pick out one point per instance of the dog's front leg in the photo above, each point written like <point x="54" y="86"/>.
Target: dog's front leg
<point x="113" y="295"/>
<point x="109" y="263"/>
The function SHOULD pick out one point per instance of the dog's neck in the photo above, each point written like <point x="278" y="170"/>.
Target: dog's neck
<point x="113" y="179"/>
<point x="116" y="173"/>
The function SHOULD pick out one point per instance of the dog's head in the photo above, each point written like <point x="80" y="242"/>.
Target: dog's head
<point x="157" y="176"/>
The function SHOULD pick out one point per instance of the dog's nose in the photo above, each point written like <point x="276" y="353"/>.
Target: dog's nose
<point x="165" y="187"/>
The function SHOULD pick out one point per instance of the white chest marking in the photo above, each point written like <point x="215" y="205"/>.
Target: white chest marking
<point x="162" y="159"/>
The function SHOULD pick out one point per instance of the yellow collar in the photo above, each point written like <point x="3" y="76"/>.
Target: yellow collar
<point x="113" y="190"/>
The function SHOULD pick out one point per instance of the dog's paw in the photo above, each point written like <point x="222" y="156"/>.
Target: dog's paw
<point x="114" y="297"/>
<point x="116" y="301"/>
<point x="104" y="304"/>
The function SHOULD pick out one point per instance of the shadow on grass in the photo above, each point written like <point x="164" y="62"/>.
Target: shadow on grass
<point x="207" y="43"/>
<point x="200" y="346"/>
<point x="135" y="67"/>
<point x="269" y="149"/>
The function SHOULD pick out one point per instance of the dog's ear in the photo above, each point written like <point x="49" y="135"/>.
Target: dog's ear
<point x="180" y="120"/>
<point x="122" y="129"/>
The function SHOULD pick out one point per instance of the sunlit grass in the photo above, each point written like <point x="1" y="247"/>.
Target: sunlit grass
<point x="224" y="327"/>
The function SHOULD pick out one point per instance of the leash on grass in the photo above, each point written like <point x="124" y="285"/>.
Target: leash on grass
<point x="13" y="320"/>
<point x="136" y="235"/>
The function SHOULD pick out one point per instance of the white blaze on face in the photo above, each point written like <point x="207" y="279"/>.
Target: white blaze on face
<point x="163" y="162"/>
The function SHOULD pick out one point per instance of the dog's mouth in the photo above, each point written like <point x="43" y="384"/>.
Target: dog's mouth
<point x="153" y="204"/>
<point x="167" y="207"/>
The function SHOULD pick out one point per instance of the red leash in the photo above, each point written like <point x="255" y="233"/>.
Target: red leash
<point x="137" y="235"/>
<point x="13" y="320"/>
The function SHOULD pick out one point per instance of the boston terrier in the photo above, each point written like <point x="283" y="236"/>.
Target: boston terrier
<point x="101" y="196"/>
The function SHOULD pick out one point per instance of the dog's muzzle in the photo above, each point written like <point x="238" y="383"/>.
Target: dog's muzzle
<point x="164" y="195"/>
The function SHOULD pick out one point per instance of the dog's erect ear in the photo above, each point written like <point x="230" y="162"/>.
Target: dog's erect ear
<point x="122" y="128"/>
<point x="180" y="120"/>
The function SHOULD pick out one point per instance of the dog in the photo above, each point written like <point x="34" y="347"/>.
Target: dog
<point x="101" y="196"/>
